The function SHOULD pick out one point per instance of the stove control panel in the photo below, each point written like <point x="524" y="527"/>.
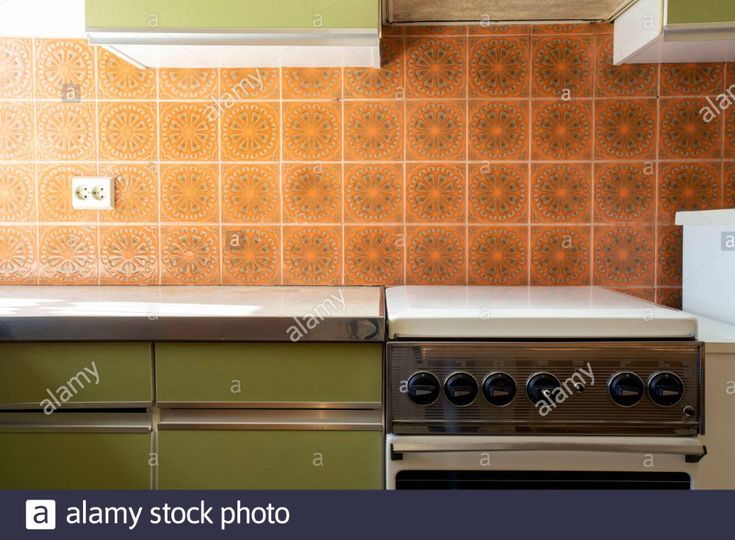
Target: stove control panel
<point x="651" y="387"/>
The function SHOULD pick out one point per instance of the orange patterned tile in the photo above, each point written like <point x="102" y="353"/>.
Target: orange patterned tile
<point x="385" y="82"/>
<point x="188" y="132"/>
<point x="63" y="62"/>
<point x="311" y="83"/>
<point x="127" y="131"/>
<point x="16" y="131"/>
<point x="17" y="193"/>
<point x="670" y="255"/>
<point x="572" y="28"/>
<point x="492" y="29"/>
<point x="312" y="194"/>
<point x="68" y="255"/>
<point x="136" y="193"/>
<point x="185" y="84"/>
<point x="393" y="30"/>
<point x="498" y="193"/>
<point x="373" y="131"/>
<point x="670" y="297"/>
<point x="692" y="79"/>
<point x="498" y="256"/>
<point x="436" y="68"/>
<point x="251" y="255"/>
<point x="189" y="193"/>
<point x="499" y="130"/>
<point x="128" y="255"/>
<point x="729" y="181"/>
<point x="312" y="131"/>
<point x="373" y="255"/>
<point x="373" y="193"/>
<point x="625" y="129"/>
<point x="312" y="255"/>
<point x="687" y="186"/>
<point x="729" y="133"/>
<point x="561" y="130"/>
<point x="562" y="66"/>
<point x="684" y="132"/>
<point x="560" y="255"/>
<point x="436" y="30"/>
<point x="16" y="65"/>
<point x="435" y="130"/>
<point x="624" y="192"/>
<point x="435" y="193"/>
<point x="249" y="83"/>
<point x="561" y="193"/>
<point x="436" y="255"/>
<point x="18" y="264"/>
<point x="54" y="193"/>
<point x="250" y="132"/>
<point x="66" y="132"/>
<point x="118" y="79"/>
<point x="499" y="67"/>
<point x="250" y="193"/>
<point x="623" y="80"/>
<point x="624" y="255"/>
<point x="189" y="255"/>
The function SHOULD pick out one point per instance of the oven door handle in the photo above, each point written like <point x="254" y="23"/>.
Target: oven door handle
<point x="692" y="450"/>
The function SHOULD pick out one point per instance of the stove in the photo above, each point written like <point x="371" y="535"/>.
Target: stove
<point x="513" y="371"/>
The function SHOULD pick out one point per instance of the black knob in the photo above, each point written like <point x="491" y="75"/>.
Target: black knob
<point x="461" y="389"/>
<point x="665" y="389"/>
<point x="499" y="389"/>
<point x="542" y="386"/>
<point x="626" y="389"/>
<point x="423" y="388"/>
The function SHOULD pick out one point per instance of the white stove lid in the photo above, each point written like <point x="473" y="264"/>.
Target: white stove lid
<point x="457" y="312"/>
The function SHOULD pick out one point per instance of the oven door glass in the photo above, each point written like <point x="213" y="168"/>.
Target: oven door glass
<point x="541" y="480"/>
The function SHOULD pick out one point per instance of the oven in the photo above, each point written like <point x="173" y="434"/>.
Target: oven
<point x="544" y="414"/>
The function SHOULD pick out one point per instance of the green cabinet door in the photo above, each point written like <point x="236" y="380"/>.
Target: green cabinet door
<point x="73" y="374"/>
<point x="209" y="459"/>
<point x="75" y="460"/>
<point x="266" y="373"/>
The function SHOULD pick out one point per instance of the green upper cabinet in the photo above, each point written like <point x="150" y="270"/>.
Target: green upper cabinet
<point x="269" y="372"/>
<point x="83" y="373"/>
<point x="700" y="11"/>
<point x="236" y="15"/>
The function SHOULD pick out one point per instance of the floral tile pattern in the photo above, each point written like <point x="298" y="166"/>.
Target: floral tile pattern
<point x="493" y="154"/>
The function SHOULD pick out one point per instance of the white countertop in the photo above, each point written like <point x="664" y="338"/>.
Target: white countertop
<point x="529" y="312"/>
<point x="707" y="217"/>
<point x="221" y="313"/>
<point x="718" y="336"/>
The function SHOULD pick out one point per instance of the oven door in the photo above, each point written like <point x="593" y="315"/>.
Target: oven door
<point x="541" y="462"/>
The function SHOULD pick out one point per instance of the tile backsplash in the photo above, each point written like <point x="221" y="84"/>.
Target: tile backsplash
<point x="502" y="155"/>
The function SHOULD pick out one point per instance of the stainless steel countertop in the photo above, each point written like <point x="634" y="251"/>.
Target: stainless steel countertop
<point x="103" y="313"/>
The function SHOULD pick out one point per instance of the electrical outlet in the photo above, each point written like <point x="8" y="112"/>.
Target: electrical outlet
<point x="92" y="193"/>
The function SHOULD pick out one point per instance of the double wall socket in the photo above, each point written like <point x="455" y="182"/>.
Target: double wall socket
<point x="92" y="193"/>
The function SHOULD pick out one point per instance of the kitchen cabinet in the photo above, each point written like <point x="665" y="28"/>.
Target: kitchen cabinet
<point x="87" y="374"/>
<point x="238" y="33"/>
<point x="284" y="374"/>
<point x="273" y="459"/>
<point x="74" y="453"/>
<point x="652" y="31"/>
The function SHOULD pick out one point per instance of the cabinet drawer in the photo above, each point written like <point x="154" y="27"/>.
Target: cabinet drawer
<point x="75" y="460"/>
<point x="272" y="373"/>
<point x="210" y="459"/>
<point x="75" y="374"/>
